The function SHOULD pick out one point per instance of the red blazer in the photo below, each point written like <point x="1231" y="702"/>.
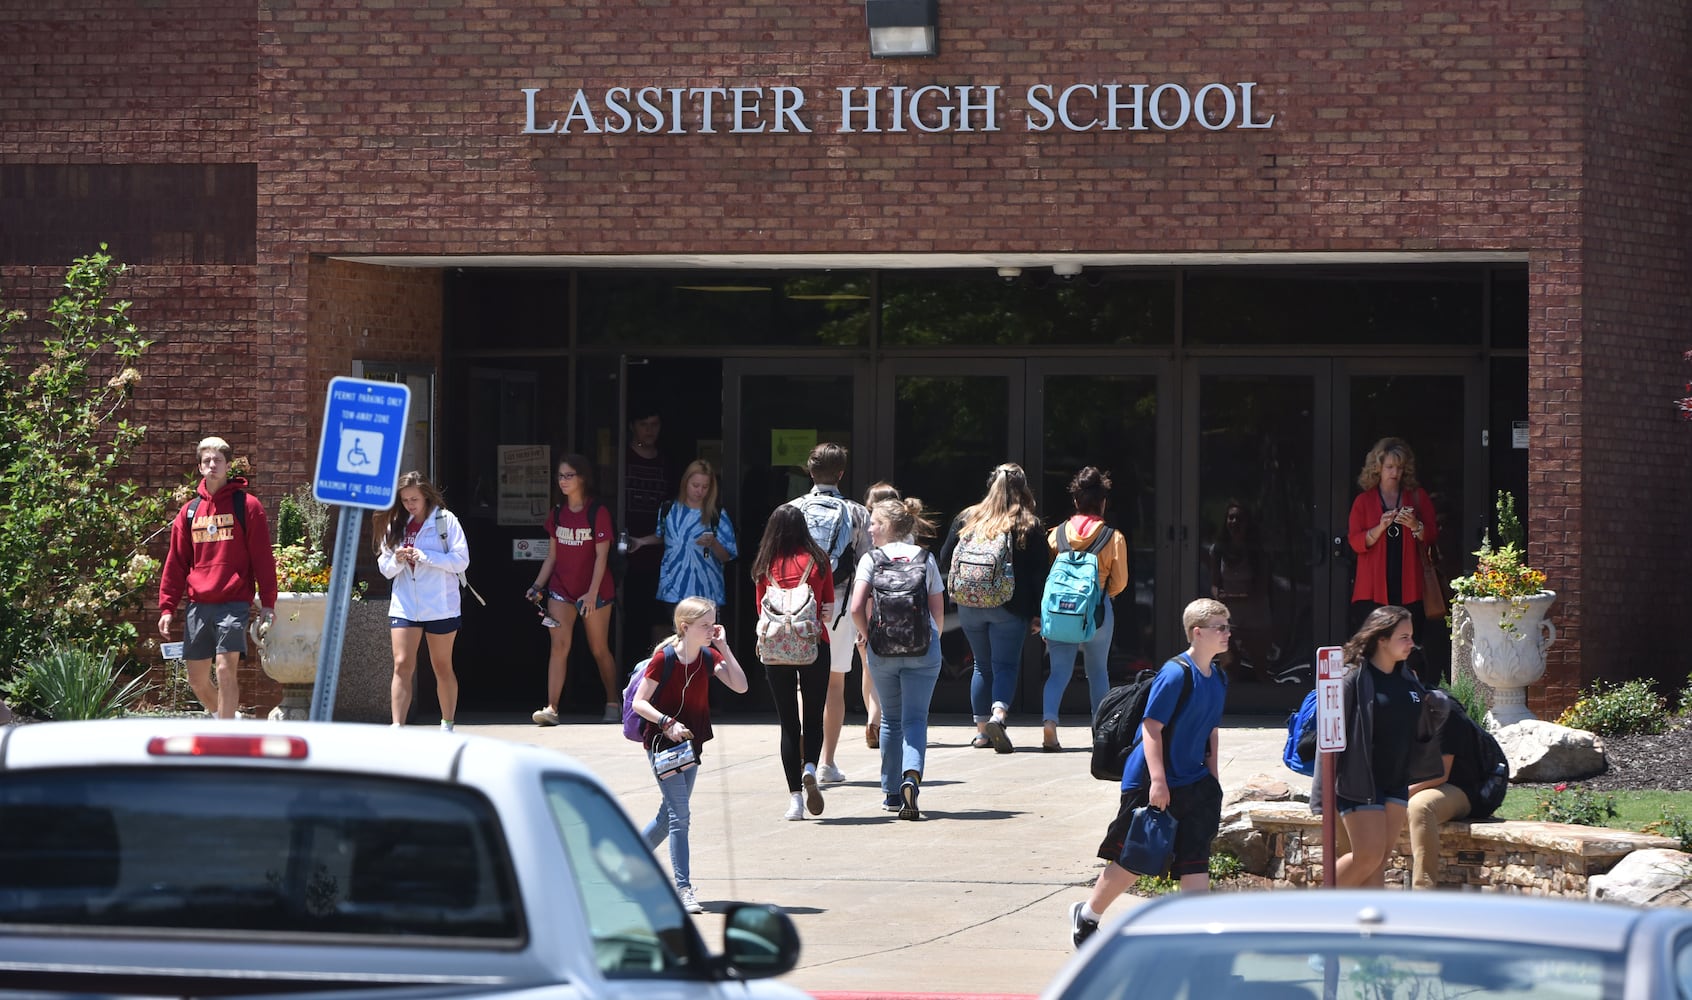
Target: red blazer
<point x="1366" y="512"/>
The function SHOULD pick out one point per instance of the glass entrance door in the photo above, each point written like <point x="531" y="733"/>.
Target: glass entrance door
<point x="943" y="427"/>
<point x="776" y="411"/>
<point x="1252" y="530"/>
<point x="1111" y="416"/>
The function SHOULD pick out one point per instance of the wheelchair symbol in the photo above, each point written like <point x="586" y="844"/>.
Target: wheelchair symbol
<point x="359" y="453"/>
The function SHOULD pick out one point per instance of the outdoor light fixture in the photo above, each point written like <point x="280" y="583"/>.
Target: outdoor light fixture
<point x="902" y="27"/>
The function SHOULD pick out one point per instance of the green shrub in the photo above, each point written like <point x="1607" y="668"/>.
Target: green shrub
<point x="74" y="535"/>
<point x="1631" y="707"/>
<point x="1464" y="692"/>
<point x="1224" y="865"/>
<point x="1673" y="824"/>
<point x="1155" y="885"/>
<point x="67" y="684"/>
<point x="1685" y="704"/>
<point x="1565" y="804"/>
<point x="290" y="524"/>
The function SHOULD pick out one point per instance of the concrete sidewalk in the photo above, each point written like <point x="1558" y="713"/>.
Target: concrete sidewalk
<point x="974" y="898"/>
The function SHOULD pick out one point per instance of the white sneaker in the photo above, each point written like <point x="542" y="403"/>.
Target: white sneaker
<point x="796" y="808"/>
<point x="547" y="716"/>
<point x="813" y="794"/>
<point x="828" y="774"/>
<point x="446" y="725"/>
<point x="689" y="902"/>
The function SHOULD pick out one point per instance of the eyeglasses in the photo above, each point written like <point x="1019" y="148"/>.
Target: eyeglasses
<point x="1220" y="628"/>
<point x="568" y="475"/>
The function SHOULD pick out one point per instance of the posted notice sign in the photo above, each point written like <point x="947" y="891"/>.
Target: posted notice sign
<point x="1330" y="698"/>
<point x="358" y="456"/>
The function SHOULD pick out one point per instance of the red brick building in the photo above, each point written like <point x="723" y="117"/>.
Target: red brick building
<point x="1298" y="226"/>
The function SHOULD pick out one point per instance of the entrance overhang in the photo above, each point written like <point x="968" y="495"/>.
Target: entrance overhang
<point x="930" y="261"/>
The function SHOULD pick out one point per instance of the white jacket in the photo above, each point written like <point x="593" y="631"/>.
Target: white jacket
<point x="428" y="592"/>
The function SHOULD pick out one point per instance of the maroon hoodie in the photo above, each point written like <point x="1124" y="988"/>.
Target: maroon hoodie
<point x="217" y="560"/>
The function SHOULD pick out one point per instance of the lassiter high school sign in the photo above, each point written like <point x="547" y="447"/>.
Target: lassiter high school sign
<point x="778" y="110"/>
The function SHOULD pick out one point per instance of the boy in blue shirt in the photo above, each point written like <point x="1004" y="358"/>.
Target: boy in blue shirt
<point x="1173" y="766"/>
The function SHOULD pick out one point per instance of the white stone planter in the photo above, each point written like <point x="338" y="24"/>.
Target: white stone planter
<point x="289" y="652"/>
<point x="1508" y="637"/>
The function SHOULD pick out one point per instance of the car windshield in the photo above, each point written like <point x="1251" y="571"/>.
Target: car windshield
<point x="639" y="928"/>
<point x="242" y="850"/>
<point x="1289" y="966"/>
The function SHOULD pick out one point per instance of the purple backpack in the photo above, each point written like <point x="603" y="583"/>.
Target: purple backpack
<point x="634" y="727"/>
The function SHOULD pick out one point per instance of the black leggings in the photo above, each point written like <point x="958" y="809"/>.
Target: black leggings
<point x="801" y="730"/>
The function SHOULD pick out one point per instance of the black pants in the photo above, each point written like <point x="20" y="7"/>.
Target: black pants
<point x="1425" y="670"/>
<point x="801" y="727"/>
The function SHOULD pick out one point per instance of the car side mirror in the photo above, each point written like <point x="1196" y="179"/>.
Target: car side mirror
<point x="759" y="941"/>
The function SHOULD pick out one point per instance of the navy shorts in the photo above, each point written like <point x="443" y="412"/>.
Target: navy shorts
<point x="1197" y="809"/>
<point x="440" y="626"/>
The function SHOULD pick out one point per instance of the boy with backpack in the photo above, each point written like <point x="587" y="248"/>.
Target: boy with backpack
<point x="219" y="558"/>
<point x="1476" y="776"/>
<point x="840" y="527"/>
<point x="1174" y="766"/>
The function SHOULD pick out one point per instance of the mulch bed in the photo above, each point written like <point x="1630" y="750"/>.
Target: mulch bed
<point x="1662" y="762"/>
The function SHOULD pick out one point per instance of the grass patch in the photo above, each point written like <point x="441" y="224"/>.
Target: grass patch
<point x="1636" y="809"/>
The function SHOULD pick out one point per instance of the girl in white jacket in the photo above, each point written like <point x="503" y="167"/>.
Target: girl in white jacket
<point x="423" y="554"/>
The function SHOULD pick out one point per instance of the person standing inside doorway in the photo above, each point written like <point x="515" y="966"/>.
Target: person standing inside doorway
<point x="1392" y="522"/>
<point x="575" y="578"/>
<point x="422" y="549"/>
<point x="219" y="558"/>
<point x="646" y="484"/>
<point x="840" y="527"/>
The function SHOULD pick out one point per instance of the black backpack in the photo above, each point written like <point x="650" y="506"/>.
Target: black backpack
<point x="1491" y="765"/>
<point x="901" y="624"/>
<point x="1116" y="727"/>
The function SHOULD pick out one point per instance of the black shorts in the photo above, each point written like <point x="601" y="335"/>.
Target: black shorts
<point x="1197" y="809"/>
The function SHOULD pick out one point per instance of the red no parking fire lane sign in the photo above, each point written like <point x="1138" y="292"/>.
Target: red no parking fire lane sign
<point x="1330" y="699"/>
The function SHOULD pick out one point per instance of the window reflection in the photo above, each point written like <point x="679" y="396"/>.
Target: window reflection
<point x="977" y="308"/>
<point x="724" y="308"/>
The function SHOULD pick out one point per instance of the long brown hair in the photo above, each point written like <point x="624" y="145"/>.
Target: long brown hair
<point x="1007" y="507"/>
<point x="1376" y="628"/>
<point x="785" y="533"/>
<point x="388" y="528"/>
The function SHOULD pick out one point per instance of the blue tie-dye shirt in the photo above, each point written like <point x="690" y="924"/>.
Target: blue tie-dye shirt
<point x="688" y="568"/>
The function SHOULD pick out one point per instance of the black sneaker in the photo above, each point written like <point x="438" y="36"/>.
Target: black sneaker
<point x="1080" y="928"/>
<point x="891" y="803"/>
<point x="907" y="800"/>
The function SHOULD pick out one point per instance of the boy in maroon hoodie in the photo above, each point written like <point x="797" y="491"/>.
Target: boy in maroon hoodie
<point x="217" y="561"/>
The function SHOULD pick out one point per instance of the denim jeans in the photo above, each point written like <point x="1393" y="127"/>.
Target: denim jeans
<point x="674" y="814"/>
<point x="995" y="637"/>
<point x="1095" y="654"/>
<point x="905" y="685"/>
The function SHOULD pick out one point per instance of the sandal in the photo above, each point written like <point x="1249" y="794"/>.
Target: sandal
<point x="981" y="742"/>
<point x="872" y="735"/>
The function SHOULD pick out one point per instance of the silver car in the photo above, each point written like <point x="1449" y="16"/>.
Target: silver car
<point x="1382" y="945"/>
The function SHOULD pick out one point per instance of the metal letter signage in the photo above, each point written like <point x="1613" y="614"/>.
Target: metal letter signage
<point x="358" y="455"/>
<point x="1330" y="699"/>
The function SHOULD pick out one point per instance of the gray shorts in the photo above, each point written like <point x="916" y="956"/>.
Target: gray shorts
<point x="215" y="628"/>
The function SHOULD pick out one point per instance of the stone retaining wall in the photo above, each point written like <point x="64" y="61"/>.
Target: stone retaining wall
<point x="1283" y="841"/>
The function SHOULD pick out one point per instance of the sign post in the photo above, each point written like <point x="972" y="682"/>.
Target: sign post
<point x="1330" y="739"/>
<point x="358" y="460"/>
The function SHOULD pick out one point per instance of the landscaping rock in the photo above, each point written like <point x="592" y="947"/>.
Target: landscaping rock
<point x="1239" y="836"/>
<point x="1545" y="751"/>
<point x="1651" y="877"/>
<point x="1262" y="788"/>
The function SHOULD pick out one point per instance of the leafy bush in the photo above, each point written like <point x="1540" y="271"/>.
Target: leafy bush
<point x="1685" y="703"/>
<point x="1575" y="805"/>
<point x="1501" y="571"/>
<point x="1631" y="707"/>
<point x="74" y="535"/>
<point x="1224" y="865"/>
<point x="66" y="684"/>
<point x="1673" y="824"/>
<point x="1464" y="692"/>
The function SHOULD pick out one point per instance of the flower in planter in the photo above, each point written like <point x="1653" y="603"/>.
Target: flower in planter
<point x="1501" y="572"/>
<point x="301" y="566"/>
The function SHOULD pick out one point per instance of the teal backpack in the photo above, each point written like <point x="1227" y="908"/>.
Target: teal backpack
<point x="1072" y="606"/>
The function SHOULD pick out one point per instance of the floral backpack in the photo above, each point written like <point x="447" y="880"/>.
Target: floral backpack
<point x="788" y="626"/>
<point x="981" y="574"/>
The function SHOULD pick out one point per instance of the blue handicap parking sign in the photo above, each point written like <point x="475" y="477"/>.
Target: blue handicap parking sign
<point x="358" y="456"/>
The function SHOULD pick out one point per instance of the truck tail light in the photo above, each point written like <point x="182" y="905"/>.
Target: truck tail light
<point x="268" y="747"/>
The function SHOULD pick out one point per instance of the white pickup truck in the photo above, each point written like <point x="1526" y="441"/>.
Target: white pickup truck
<point x="197" y="857"/>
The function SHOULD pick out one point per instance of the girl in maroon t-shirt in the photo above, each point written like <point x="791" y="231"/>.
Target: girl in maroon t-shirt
<point x="577" y="583"/>
<point x="787" y="554"/>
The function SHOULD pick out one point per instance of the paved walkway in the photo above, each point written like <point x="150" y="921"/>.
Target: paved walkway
<point x="973" y="899"/>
